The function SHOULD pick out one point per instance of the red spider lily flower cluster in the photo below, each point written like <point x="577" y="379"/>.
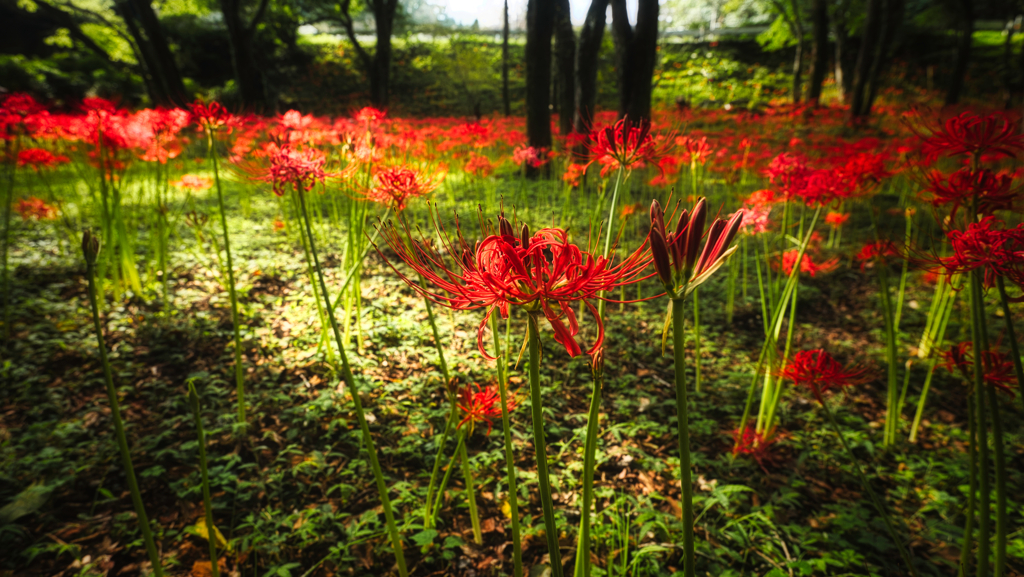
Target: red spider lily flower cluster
<point x="836" y="219"/>
<point x="33" y="208"/>
<point x="533" y="157"/>
<point x="369" y="115"/>
<point x="39" y="158"/>
<point x="675" y="253"/>
<point x="993" y="192"/>
<point x="753" y="444"/>
<point x="997" y="368"/>
<point x="482" y="405"/>
<point x="697" y="149"/>
<point x="818" y="371"/>
<point x="543" y="273"/>
<point x="193" y="182"/>
<point x="212" y="116"/>
<point x="998" y="251"/>
<point x="479" y="165"/>
<point x="754" y="220"/>
<point x="573" y="173"/>
<point x="880" y="250"/>
<point x="394" y="187"/>
<point x="625" y="145"/>
<point x="290" y="168"/>
<point x="970" y="134"/>
<point x="807" y="265"/>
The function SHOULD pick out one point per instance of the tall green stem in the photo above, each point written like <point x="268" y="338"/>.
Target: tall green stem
<point x="985" y="497"/>
<point x="346" y="374"/>
<point x="211" y="530"/>
<point x="696" y="340"/>
<point x="871" y="492"/>
<point x="510" y="462"/>
<point x="972" y="451"/>
<point x="997" y="446"/>
<point x="122" y="440"/>
<point x="589" y="453"/>
<point x="540" y="448"/>
<point x="459" y="446"/>
<point x="239" y="371"/>
<point x="1011" y="334"/>
<point x="683" y="426"/>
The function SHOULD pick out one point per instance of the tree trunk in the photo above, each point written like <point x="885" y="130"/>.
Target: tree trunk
<point x="798" y="58"/>
<point x="505" y="97"/>
<point x="868" y="45"/>
<point x="963" y="52"/>
<point x="247" y="75"/>
<point x="819" y="50"/>
<point x="636" y="53"/>
<point x="163" y="80"/>
<point x="591" y="37"/>
<point x="540" y="23"/>
<point x="565" y="60"/>
<point x="892" y="21"/>
<point x="1007" y="66"/>
<point x="380" y="74"/>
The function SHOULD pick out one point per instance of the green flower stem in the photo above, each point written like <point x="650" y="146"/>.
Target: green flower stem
<point x="1011" y="334"/>
<point x="777" y="389"/>
<point x="211" y="531"/>
<point x="696" y="340"/>
<point x="934" y="335"/>
<point x="8" y="201"/>
<point x="122" y="440"/>
<point x="589" y="450"/>
<point x="683" y="426"/>
<point x="871" y="493"/>
<point x="619" y="178"/>
<point x="346" y="374"/>
<point x="985" y="490"/>
<point x="239" y="371"/>
<point x="510" y="463"/>
<point x="357" y="265"/>
<point x="540" y="448"/>
<point x="972" y="451"/>
<point x="447" y="475"/>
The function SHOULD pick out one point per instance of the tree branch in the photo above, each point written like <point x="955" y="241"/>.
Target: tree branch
<point x="256" y="18"/>
<point x="346" y="21"/>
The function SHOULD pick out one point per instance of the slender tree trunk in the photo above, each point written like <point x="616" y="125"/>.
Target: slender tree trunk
<point x="166" y="73"/>
<point x="380" y="76"/>
<point x="1007" y="65"/>
<point x="892" y="21"/>
<point x="798" y="58"/>
<point x="565" y="60"/>
<point x="636" y="55"/>
<point x="843" y="72"/>
<point x="963" y="52"/>
<point x="819" y="50"/>
<point x="505" y="97"/>
<point x="587" y="52"/>
<point x="240" y="36"/>
<point x="868" y="44"/>
<point x="622" y="33"/>
<point x="540" y="23"/>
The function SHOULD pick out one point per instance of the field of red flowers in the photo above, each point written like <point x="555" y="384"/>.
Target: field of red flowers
<point x="717" y="343"/>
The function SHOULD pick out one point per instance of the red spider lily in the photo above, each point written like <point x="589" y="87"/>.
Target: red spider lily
<point x="697" y="149"/>
<point x="543" y="273"/>
<point x="753" y="444"/>
<point x="535" y="157"/>
<point x="972" y="135"/>
<point x="369" y="115"/>
<point x="210" y="116"/>
<point x="806" y="264"/>
<point x="395" y="186"/>
<point x="33" y="208"/>
<point x="482" y="405"/>
<point x="999" y="252"/>
<point x="761" y="199"/>
<point x="573" y="173"/>
<point x="993" y="192"/>
<point x="39" y="158"/>
<point x="755" y="220"/>
<point x="789" y="172"/>
<point x="997" y="368"/>
<point x="630" y="209"/>
<point x="278" y="225"/>
<point x="479" y="165"/>
<point x="193" y="182"/>
<point x="880" y="250"/>
<point x="837" y="219"/>
<point x="625" y="145"/>
<point x="818" y="371"/>
<point x="294" y="168"/>
<point x="675" y="253"/>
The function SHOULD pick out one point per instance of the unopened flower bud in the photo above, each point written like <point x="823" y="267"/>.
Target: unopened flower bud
<point x="524" y="236"/>
<point x="662" y="265"/>
<point x="90" y="247"/>
<point x="505" y="227"/>
<point x="657" y="217"/>
<point x="694" y="233"/>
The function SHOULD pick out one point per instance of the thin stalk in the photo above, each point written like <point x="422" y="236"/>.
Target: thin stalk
<point x="8" y="201"/>
<point x="984" y="505"/>
<point x="608" y="236"/>
<point x="1011" y="334"/>
<point x="972" y="451"/>
<point x="997" y="448"/>
<point x="346" y="374"/>
<point x="239" y="372"/>
<point x="211" y="530"/>
<point x="933" y="337"/>
<point x="540" y="448"/>
<point x="461" y="444"/>
<point x="871" y="492"/>
<point x="358" y="264"/>
<point x="122" y="439"/>
<point x="510" y="463"/>
<point x="696" y="340"/>
<point x="683" y="431"/>
<point x="589" y="450"/>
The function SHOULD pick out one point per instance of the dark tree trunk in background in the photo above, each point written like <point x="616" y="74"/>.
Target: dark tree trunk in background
<point x="378" y="66"/>
<point x="636" y="53"/>
<point x="892" y="22"/>
<point x="819" y="50"/>
<point x="540" y="24"/>
<point x="843" y="73"/>
<point x="164" y="83"/>
<point x="796" y="27"/>
<point x="589" y="47"/>
<point x="243" y="58"/>
<point x="505" y="97"/>
<point x="963" y="51"/>
<point x="798" y="66"/>
<point x="869" y="41"/>
<point x="565" y="62"/>
<point x="1007" y="65"/>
